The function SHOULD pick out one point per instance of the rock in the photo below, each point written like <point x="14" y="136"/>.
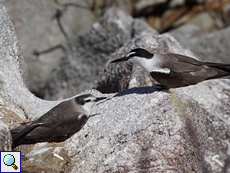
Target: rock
<point x="176" y="3"/>
<point x="14" y="96"/>
<point x="47" y="157"/>
<point x="80" y="69"/>
<point x="226" y="9"/>
<point x="17" y="104"/>
<point x="144" y="4"/>
<point x="213" y="95"/>
<point x="37" y="31"/>
<point x="212" y="23"/>
<point x="141" y="130"/>
<point x="187" y="33"/>
<point x="5" y="137"/>
<point x="213" y="47"/>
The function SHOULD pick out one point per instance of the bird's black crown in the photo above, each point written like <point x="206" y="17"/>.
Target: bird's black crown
<point x="82" y="99"/>
<point x="141" y="53"/>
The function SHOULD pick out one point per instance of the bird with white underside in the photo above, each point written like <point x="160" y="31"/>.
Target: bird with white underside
<point x="174" y="70"/>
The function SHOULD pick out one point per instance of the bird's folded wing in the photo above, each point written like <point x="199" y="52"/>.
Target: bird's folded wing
<point x="71" y="124"/>
<point x="27" y="129"/>
<point x="180" y="63"/>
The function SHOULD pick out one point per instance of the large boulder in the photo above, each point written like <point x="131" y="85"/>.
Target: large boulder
<point x="212" y="95"/>
<point x="80" y="68"/>
<point x="213" y="47"/>
<point x="14" y="94"/>
<point x="141" y="130"/>
<point x="38" y="31"/>
<point x="17" y="103"/>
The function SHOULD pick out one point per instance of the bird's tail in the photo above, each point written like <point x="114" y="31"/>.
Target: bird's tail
<point x="21" y="131"/>
<point x="223" y="70"/>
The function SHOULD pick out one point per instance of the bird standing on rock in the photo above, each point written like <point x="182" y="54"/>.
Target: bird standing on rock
<point x="59" y="123"/>
<point x="174" y="70"/>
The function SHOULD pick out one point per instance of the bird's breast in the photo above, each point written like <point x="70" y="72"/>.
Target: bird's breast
<point x="154" y="65"/>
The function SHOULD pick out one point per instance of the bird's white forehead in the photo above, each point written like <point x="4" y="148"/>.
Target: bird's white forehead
<point x="91" y="98"/>
<point x="130" y="53"/>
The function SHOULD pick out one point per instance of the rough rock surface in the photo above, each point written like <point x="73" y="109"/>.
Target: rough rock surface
<point x="14" y="95"/>
<point x="212" y="23"/>
<point x="141" y="130"/>
<point x="5" y="137"/>
<point x="17" y="104"/>
<point x="213" y="47"/>
<point x="43" y="157"/>
<point x="91" y="49"/>
<point x="212" y="95"/>
<point x="37" y="31"/>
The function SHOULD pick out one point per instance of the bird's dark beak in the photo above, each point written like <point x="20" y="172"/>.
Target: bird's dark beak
<point x="120" y="59"/>
<point x="99" y="98"/>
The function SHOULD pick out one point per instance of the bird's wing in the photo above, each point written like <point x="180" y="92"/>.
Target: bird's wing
<point x="187" y="63"/>
<point x="61" y="120"/>
<point x="180" y="63"/>
<point x="71" y="123"/>
<point x="64" y="124"/>
<point x="25" y="130"/>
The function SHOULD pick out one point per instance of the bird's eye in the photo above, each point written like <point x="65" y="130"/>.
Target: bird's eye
<point x="88" y="100"/>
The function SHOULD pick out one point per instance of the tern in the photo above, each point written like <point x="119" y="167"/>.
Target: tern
<point x="175" y="70"/>
<point x="61" y="122"/>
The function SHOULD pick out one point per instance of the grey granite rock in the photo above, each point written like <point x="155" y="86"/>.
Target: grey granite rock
<point x="141" y="130"/>
<point x="213" y="47"/>
<point x="226" y="9"/>
<point x="17" y="103"/>
<point x="213" y="95"/>
<point x="147" y="5"/>
<point x="212" y="22"/>
<point x="91" y="49"/>
<point x="187" y="33"/>
<point x="37" y="31"/>
<point x="43" y="157"/>
<point x="10" y="43"/>
<point x="14" y="95"/>
<point x="5" y="137"/>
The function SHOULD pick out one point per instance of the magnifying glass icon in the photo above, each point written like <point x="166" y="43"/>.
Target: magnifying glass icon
<point x="9" y="160"/>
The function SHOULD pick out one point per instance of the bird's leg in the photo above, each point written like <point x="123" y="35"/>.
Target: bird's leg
<point x="160" y="87"/>
<point x="169" y="91"/>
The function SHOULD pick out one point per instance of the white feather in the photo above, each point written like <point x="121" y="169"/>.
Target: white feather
<point x="88" y="107"/>
<point x="130" y="53"/>
<point x="150" y="65"/>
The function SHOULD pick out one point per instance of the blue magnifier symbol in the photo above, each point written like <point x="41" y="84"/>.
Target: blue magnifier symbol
<point x="9" y="160"/>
